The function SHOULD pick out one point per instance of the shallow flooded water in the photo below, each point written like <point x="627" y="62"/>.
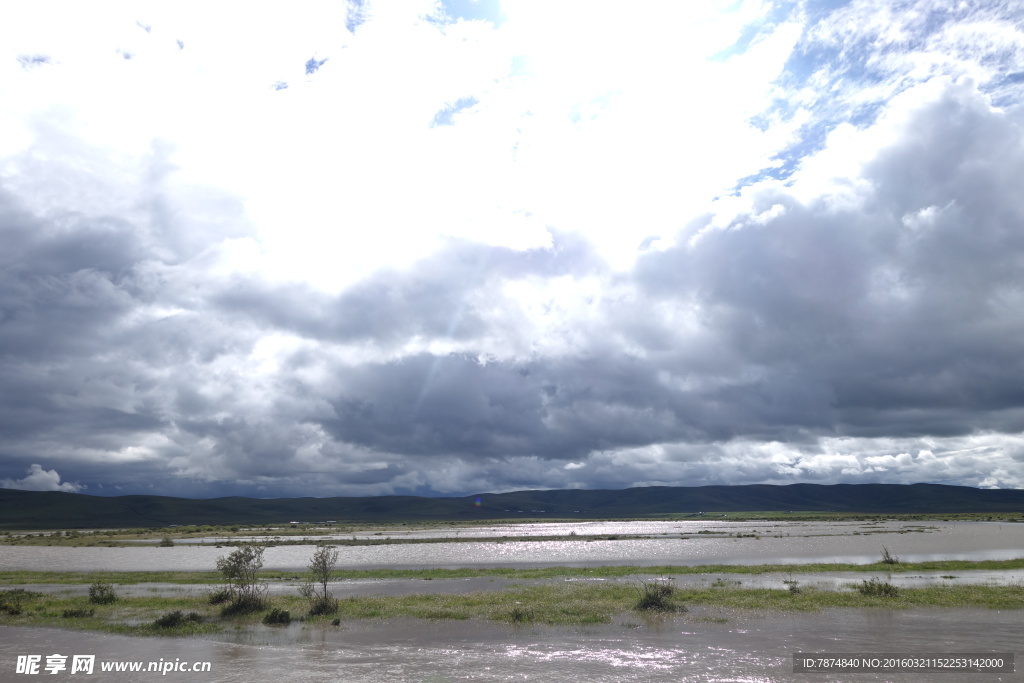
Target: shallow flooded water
<point x="780" y="542"/>
<point x="699" y="646"/>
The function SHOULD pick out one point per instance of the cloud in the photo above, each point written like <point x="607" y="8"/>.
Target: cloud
<point x="699" y="246"/>
<point x="39" y="479"/>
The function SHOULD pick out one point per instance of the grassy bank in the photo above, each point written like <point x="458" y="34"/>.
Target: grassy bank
<point x="555" y="604"/>
<point x="14" y="578"/>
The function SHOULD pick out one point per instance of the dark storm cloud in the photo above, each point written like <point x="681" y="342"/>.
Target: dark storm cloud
<point x="904" y="313"/>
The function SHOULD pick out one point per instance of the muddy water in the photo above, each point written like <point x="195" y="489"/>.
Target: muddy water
<point x="701" y="646"/>
<point x="776" y="543"/>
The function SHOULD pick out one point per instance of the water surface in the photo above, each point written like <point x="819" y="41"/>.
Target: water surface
<point x="695" y="647"/>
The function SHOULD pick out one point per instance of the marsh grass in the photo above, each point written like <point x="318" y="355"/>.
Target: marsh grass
<point x="15" y="577"/>
<point x="656" y="596"/>
<point x="880" y="588"/>
<point x="176" y="619"/>
<point x="576" y="604"/>
<point x="277" y="617"/>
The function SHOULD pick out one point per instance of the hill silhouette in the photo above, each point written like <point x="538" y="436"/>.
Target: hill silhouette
<point x="58" y="510"/>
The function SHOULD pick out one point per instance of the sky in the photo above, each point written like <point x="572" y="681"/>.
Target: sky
<point x="451" y="247"/>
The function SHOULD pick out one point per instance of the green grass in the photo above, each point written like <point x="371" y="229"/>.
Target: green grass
<point x="16" y="577"/>
<point x="554" y="604"/>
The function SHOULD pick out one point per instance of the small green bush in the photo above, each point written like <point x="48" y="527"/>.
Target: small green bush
<point x="219" y="596"/>
<point x="102" y="594"/>
<point x="878" y="588"/>
<point x="166" y="542"/>
<point x="889" y="558"/>
<point x="240" y="605"/>
<point x="277" y="616"/>
<point x="177" y="618"/>
<point x="657" y="596"/>
<point x="322" y="605"/>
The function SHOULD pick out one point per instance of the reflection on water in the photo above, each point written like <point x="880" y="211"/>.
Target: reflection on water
<point x="695" y="647"/>
<point x="791" y="542"/>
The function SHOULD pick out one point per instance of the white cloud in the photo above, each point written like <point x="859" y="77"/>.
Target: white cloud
<point x="39" y="479"/>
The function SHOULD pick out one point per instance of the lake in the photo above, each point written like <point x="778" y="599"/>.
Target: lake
<point x="778" y="542"/>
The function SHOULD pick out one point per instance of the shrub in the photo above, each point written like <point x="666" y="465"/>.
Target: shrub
<point x="314" y="588"/>
<point x="889" y="558"/>
<point x="166" y="542"/>
<point x="102" y="594"/>
<point x="320" y="606"/>
<point x="219" y="596"/>
<point x="240" y="569"/>
<point x="878" y="588"/>
<point x="177" y="618"/>
<point x="77" y="613"/>
<point x="277" y="616"/>
<point x="656" y="596"/>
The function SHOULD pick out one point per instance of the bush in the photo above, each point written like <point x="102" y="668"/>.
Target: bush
<point x="102" y="594"/>
<point x="240" y="570"/>
<point x="656" y="596"/>
<point x="219" y="596"/>
<point x="277" y="616"/>
<point x="889" y="558"/>
<point x="77" y="613"/>
<point x="176" y="618"/>
<point x="320" y="606"/>
<point x="314" y="588"/>
<point x="166" y="542"/>
<point x="243" y="605"/>
<point x="878" y="588"/>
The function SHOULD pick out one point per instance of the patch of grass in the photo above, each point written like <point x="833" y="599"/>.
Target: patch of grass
<point x="520" y="615"/>
<point x="656" y="596"/>
<point x="880" y="588"/>
<point x="573" y="604"/>
<point x="12" y="601"/>
<point x="15" y="577"/>
<point x="218" y="596"/>
<point x="77" y="613"/>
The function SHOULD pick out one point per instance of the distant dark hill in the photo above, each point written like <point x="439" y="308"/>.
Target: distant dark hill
<point x="55" y="510"/>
